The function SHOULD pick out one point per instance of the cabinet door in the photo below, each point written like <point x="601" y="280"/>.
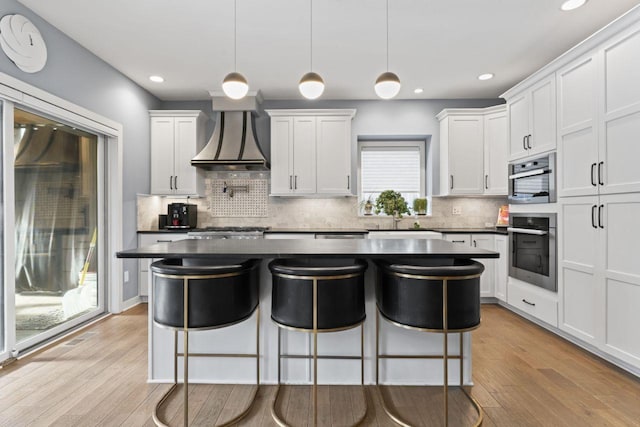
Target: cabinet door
<point x="502" y="267"/>
<point x="620" y="294"/>
<point x="304" y="155"/>
<point x="144" y="263"/>
<point x="487" y="285"/>
<point x="281" y="155"/>
<point x="162" y="136"/>
<point x="495" y="154"/>
<point x="333" y="155"/>
<point x="518" y="126"/>
<point x="619" y="147"/>
<point x="578" y="264"/>
<point x="185" y="142"/>
<point x="466" y="151"/>
<point x="542" y="119"/>
<point x="578" y="133"/>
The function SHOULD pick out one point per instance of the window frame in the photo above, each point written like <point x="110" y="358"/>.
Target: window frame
<point x="392" y="143"/>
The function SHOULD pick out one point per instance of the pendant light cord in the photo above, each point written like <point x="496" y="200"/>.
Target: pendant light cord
<point x="387" y="35"/>
<point x="235" y="36"/>
<point x="311" y="34"/>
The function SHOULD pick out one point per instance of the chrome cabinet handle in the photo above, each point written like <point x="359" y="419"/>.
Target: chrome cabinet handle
<point x="290" y="182"/>
<point x="163" y="241"/>
<point x="457" y="241"/>
<point x="175" y="182"/>
<point x="348" y="182"/>
<point x="295" y="182"/>
<point x="486" y="182"/>
<point x="451" y="182"/>
<point x="529" y="142"/>
<point x="600" y="165"/>
<point x="527" y="231"/>
<point x="475" y="244"/>
<point x="171" y="182"/>
<point x="600" y="209"/>
<point x="593" y="216"/>
<point x="524" y="142"/>
<point x="593" y="179"/>
<point x="527" y="302"/>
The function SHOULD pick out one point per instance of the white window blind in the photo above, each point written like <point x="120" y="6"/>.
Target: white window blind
<point x="390" y="168"/>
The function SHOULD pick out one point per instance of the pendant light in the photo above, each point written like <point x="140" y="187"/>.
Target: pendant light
<point x="234" y="85"/>
<point x="388" y="84"/>
<point x="311" y="84"/>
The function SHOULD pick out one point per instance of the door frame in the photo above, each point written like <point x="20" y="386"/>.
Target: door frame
<point x="15" y="92"/>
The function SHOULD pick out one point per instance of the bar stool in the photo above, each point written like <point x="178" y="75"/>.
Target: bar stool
<point x="318" y="296"/>
<point x="440" y="296"/>
<point x="203" y="294"/>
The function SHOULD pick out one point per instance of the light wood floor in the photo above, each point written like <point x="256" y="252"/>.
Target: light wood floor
<point x="524" y="376"/>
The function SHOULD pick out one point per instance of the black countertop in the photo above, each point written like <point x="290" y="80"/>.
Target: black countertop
<point x="496" y="230"/>
<point x="291" y="248"/>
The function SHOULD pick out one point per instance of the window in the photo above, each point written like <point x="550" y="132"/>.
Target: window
<point x="392" y="165"/>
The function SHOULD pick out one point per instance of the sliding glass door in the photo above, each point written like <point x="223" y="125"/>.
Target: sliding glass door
<point x="58" y="176"/>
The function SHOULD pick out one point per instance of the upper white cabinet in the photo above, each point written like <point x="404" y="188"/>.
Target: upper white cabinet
<point x="473" y="151"/>
<point x="311" y="152"/>
<point x="176" y="136"/>
<point x="532" y="119"/>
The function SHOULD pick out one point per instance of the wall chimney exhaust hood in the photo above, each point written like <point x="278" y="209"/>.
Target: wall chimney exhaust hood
<point x="234" y="144"/>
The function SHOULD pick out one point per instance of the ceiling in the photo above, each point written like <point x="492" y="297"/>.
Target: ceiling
<point x="440" y="46"/>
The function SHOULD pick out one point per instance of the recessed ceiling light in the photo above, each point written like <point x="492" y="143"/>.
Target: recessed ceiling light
<point x="156" y="79"/>
<point x="486" y="76"/>
<point x="418" y="90"/>
<point x="572" y="4"/>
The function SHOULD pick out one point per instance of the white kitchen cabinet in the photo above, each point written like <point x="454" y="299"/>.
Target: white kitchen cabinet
<point x="145" y="239"/>
<point x="600" y="273"/>
<point x="176" y="137"/>
<point x="495" y="152"/>
<point x="482" y="241"/>
<point x="501" y="267"/>
<point x="473" y="151"/>
<point x="532" y="119"/>
<point x="311" y="152"/>
<point x="533" y="300"/>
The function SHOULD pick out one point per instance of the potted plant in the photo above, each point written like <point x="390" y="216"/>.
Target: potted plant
<point x="391" y="203"/>
<point x="367" y="205"/>
<point x="420" y="206"/>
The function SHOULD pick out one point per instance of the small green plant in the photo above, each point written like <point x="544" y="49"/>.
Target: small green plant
<point x="390" y="202"/>
<point x="420" y="206"/>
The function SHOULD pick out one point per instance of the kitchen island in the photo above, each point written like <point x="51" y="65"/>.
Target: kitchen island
<point x="239" y="338"/>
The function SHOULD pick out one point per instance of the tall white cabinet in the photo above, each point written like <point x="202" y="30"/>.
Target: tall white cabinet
<point x="599" y="189"/>
<point x="473" y="151"/>
<point x="311" y="152"/>
<point x="176" y="137"/>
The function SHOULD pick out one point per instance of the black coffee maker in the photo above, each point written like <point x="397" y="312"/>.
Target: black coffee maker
<point x="182" y="215"/>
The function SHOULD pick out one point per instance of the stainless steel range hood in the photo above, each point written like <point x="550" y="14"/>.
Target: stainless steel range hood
<point x="234" y="144"/>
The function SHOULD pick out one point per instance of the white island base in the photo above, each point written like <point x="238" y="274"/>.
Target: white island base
<point x="241" y="338"/>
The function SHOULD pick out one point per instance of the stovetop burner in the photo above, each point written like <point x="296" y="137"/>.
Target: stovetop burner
<point x="227" y="233"/>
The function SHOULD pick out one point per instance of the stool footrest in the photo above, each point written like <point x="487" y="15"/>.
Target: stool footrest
<point x="309" y="356"/>
<point x="218" y="355"/>
<point x="416" y="356"/>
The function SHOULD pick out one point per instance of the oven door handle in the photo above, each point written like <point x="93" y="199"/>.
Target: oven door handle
<point x="527" y="231"/>
<point x="529" y="173"/>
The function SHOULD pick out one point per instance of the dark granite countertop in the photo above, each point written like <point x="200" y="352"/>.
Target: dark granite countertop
<point x="291" y="248"/>
<point x="167" y="230"/>
<point x="319" y="230"/>
<point x="494" y="230"/>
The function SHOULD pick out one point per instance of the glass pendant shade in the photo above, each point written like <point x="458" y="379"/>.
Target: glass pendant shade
<point x="311" y="85"/>
<point x="387" y="85"/>
<point x="235" y="86"/>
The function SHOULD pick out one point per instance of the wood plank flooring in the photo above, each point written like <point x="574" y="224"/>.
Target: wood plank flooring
<point x="524" y="376"/>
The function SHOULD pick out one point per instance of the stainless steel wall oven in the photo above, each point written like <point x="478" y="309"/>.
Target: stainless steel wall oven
<point x="532" y="244"/>
<point x="533" y="180"/>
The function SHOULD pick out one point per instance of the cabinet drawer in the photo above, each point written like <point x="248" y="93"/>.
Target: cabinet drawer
<point x="533" y="301"/>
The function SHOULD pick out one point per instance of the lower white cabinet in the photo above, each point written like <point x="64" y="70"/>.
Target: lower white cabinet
<point x="483" y="241"/>
<point x="599" y="272"/>
<point x="533" y="300"/>
<point x="501" y="267"/>
<point x="145" y="239"/>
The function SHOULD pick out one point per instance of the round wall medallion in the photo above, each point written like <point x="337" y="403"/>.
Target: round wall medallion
<point x="22" y="43"/>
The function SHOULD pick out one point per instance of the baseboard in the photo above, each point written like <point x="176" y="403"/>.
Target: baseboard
<point x="130" y="303"/>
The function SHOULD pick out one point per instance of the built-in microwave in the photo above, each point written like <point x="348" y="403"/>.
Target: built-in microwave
<point x="533" y="180"/>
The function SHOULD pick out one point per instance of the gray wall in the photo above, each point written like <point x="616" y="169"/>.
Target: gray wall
<point x="75" y="74"/>
<point x="384" y="118"/>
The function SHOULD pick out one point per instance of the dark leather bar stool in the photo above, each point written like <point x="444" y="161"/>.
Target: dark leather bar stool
<point x="440" y="296"/>
<point x="203" y="294"/>
<point x="317" y="296"/>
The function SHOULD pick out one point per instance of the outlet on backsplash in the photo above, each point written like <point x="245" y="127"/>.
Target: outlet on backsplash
<point x="456" y="210"/>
